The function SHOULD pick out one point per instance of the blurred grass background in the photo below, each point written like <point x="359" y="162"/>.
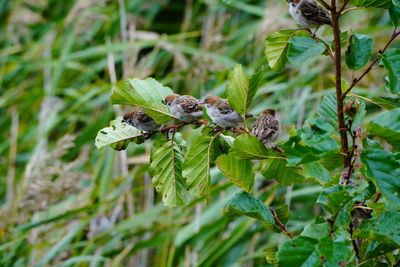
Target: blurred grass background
<point x="63" y="203"/>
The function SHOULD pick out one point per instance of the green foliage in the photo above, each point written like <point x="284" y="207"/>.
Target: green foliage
<point x="248" y="146"/>
<point x="197" y="165"/>
<point x="118" y="135"/>
<point x="277" y="169"/>
<point x="166" y="166"/>
<point x="67" y="202"/>
<point x="147" y="94"/>
<point x="302" y="48"/>
<point x="387" y="126"/>
<point x="245" y="204"/>
<point x="391" y="60"/>
<point x="359" y="51"/>
<point x="240" y="90"/>
<point x="383" y="168"/>
<point x="239" y="171"/>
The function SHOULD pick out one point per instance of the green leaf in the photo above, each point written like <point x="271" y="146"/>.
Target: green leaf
<point x="300" y="251"/>
<point x="386" y="102"/>
<point x="385" y="229"/>
<point x="277" y="169"/>
<point x="302" y="48"/>
<point x="394" y="13"/>
<point x="336" y="197"/>
<point x="327" y="109"/>
<point x="276" y="46"/>
<point x="317" y="230"/>
<point x="371" y="3"/>
<point x="147" y="94"/>
<point x="359" y="51"/>
<point x="270" y="255"/>
<point x="196" y="168"/>
<point x="337" y="251"/>
<point x="166" y="167"/>
<point x="316" y="130"/>
<point x="248" y="146"/>
<point x="391" y="61"/>
<point x="383" y="168"/>
<point x="239" y="171"/>
<point x="238" y="91"/>
<point x="317" y="171"/>
<point x="387" y="126"/>
<point x="118" y="135"/>
<point x="245" y="204"/>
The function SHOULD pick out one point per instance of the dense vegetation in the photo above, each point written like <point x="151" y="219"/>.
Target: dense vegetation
<point x="329" y="196"/>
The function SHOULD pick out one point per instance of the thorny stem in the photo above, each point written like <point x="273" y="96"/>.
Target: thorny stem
<point x="281" y="226"/>
<point x="356" y="80"/>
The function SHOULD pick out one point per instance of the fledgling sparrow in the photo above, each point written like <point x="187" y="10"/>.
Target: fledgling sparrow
<point x="221" y="113"/>
<point x="309" y="14"/>
<point x="185" y="107"/>
<point x="140" y="120"/>
<point x="267" y="127"/>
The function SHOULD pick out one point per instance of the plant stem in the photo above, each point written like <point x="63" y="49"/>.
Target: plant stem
<point x="281" y="226"/>
<point x="338" y="80"/>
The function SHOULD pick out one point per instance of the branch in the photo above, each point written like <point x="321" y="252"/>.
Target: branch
<point x="343" y="6"/>
<point x="356" y="80"/>
<point x="281" y="226"/>
<point x="338" y="84"/>
<point x="325" y="4"/>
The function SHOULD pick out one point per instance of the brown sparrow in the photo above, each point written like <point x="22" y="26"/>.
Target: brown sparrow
<point x="185" y="107"/>
<point x="138" y="119"/>
<point x="308" y="13"/>
<point x="267" y="127"/>
<point x="221" y="113"/>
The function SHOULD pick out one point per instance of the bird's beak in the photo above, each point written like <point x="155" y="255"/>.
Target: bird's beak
<point x="163" y="101"/>
<point x="289" y="1"/>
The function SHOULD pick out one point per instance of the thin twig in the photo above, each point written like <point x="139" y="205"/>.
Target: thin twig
<point x="343" y="6"/>
<point x="356" y="80"/>
<point x="281" y="226"/>
<point x="325" y="4"/>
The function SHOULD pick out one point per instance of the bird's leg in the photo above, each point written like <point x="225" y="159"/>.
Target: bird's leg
<point x="314" y="33"/>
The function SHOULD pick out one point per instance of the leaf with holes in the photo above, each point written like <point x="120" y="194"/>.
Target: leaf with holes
<point x="118" y="135"/>
<point x="147" y="94"/>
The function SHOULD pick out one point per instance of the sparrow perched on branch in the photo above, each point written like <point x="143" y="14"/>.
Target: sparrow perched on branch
<point x="267" y="127"/>
<point x="221" y="113"/>
<point x="140" y="120"/>
<point x="185" y="107"/>
<point x="309" y="14"/>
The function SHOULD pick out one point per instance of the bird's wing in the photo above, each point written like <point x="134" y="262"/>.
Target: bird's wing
<point x="143" y="118"/>
<point x="223" y="107"/>
<point x="313" y="11"/>
<point x="189" y="103"/>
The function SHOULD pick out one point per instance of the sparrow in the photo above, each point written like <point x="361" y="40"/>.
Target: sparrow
<point x="185" y="107"/>
<point x="267" y="127"/>
<point x="309" y="14"/>
<point x="140" y="120"/>
<point x="221" y="113"/>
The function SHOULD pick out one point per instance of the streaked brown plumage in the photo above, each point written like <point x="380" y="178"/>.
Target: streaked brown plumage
<point x="140" y="120"/>
<point x="267" y="127"/>
<point x="308" y="13"/>
<point x="222" y="113"/>
<point x="185" y="107"/>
